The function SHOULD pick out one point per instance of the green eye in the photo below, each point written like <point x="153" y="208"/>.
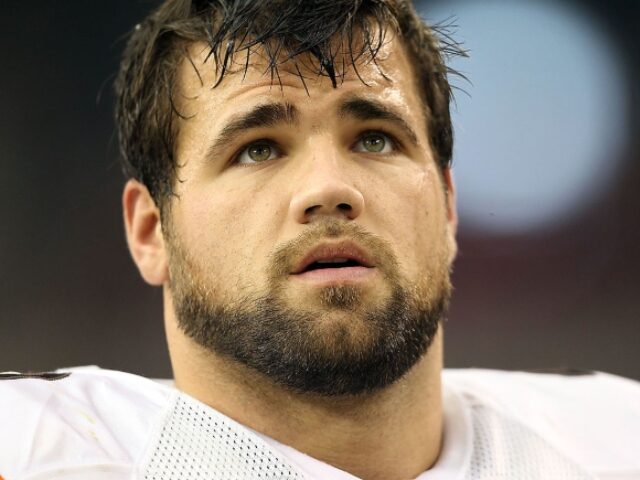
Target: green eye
<point x="375" y="142"/>
<point x="257" y="153"/>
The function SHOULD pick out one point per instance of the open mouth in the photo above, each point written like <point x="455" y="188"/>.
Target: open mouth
<point x="338" y="270"/>
<point x="334" y="263"/>
<point x="342" y="261"/>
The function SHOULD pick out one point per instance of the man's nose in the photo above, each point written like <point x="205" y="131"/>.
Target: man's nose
<point x="326" y="189"/>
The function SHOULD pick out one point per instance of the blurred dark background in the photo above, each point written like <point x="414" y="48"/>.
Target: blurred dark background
<point x="69" y="294"/>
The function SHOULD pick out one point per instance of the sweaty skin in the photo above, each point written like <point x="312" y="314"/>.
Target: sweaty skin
<point x="230" y="213"/>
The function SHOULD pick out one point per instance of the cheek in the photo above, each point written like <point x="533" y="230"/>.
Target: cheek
<point x="429" y="211"/>
<point x="219" y="228"/>
<point x="420" y="214"/>
<point x="434" y="208"/>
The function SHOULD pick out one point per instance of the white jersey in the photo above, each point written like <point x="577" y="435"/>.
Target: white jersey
<point x="104" y="425"/>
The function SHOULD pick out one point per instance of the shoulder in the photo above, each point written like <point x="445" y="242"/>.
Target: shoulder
<point x="594" y="418"/>
<point x="76" y="418"/>
<point x="556" y="384"/>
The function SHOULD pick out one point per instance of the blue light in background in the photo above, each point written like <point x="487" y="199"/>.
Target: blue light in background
<point x="539" y="137"/>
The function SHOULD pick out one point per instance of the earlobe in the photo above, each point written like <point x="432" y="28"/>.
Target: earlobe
<point x="144" y="233"/>
<point x="452" y="212"/>
<point x="450" y="191"/>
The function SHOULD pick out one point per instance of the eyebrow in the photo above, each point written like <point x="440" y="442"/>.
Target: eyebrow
<point x="261" y="116"/>
<point x="365" y="109"/>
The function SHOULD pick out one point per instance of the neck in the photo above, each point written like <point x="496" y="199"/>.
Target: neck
<point x="392" y="434"/>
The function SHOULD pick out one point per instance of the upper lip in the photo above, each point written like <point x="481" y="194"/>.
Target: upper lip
<point x="330" y="251"/>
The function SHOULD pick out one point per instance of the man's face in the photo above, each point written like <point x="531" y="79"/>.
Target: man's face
<point x="311" y="236"/>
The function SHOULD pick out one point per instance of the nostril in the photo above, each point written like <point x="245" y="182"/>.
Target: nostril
<point x="344" y="209"/>
<point x="311" y="209"/>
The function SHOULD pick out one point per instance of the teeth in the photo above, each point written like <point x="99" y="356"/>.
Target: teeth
<point x="334" y="260"/>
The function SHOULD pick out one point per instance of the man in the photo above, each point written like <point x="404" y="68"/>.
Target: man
<point x="290" y="190"/>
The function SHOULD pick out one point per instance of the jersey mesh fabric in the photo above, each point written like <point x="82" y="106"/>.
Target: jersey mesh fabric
<point x="199" y="443"/>
<point x="504" y="448"/>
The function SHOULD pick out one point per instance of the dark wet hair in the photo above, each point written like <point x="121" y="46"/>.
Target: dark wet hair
<point x="290" y="31"/>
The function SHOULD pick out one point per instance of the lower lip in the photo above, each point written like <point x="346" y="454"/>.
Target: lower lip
<point x="337" y="275"/>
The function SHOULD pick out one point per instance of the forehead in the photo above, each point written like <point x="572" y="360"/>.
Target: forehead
<point x="250" y="79"/>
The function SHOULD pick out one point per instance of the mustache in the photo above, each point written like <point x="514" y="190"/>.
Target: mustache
<point x="286" y="255"/>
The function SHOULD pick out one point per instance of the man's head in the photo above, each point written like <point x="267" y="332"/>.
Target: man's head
<point x="298" y="155"/>
<point x="285" y="33"/>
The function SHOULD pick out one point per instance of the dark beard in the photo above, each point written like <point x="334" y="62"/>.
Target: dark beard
<point x="311" y="351"/>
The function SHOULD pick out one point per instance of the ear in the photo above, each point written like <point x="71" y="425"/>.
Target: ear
<point x="144" y="233"/>
<point x="452" y="212"/>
